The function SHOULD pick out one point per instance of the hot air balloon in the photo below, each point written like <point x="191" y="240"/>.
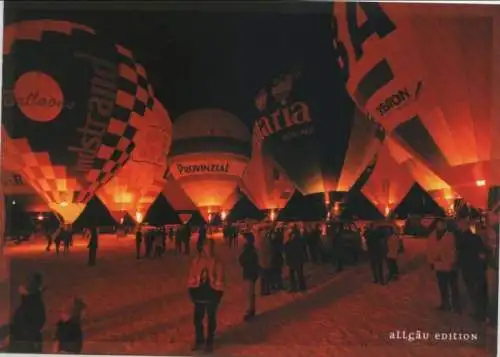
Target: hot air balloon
<point x="72" y="104"/>
<point x="431" y="75"/>
<point x="178" y="199"/>
<point x="16" y="188"/>
<point x="439" y="190"/>
<point x="300" y="129"/>
<point x="141" y="179"/>
<point x="209" y="153"/>
<point x="230" y="202"/>
<point x="263" y="183"/>
<point x="389" y="183"/>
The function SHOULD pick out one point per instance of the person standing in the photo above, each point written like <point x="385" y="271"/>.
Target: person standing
<point x="50" y="240"/>
<point x="67" y="237"/>
<point x="163" y="234"/>
<point x="187" y="238"/>
<point x="29" y="318"/>
<point x="249" y="261"/>
<point x="472" y="254"/>
<point x="69" y="335"/>
<point x="394" y="244"/>
<point x="339" y="248"/>
<point x="93" y="246"/>
<point x="376" y="252"/>
<point x="295" y="258"/>
<point x="202" y="236"/>
<point x="138" y="242"/>
<point x="206" y="288"/>
<point x="442" y="256"/>
<point x="264" y="251"/>
<point x="277" y="258"/>
<point x="171" y="234"/>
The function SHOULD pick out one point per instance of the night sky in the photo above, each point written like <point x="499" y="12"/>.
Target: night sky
<point x="199" y="59"/>
<point x="209" y="56"/>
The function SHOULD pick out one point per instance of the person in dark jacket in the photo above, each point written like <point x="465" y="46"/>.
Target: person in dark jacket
<point x="294" y="252"/>
<point x="206" y="287"/>
<point x="249" y="261"/>
<point x="472" y="257"/>
<point x="339" y="248"/>
<point x="50" y="240"/>
<point x="138" y="242"/>
<point x="202" y="236"/>
<point x="93" y="246"/>
<point x="163" y="234"/>
<point x="69" y="335"/>
<point x="29" y="318"/>
<point x="171" y="234"/>
<point x="313" y="242"/>
<point x="376" y="252"/>
<point x="67" y="237"/>
<point x="59" y="237"/>
<point x="277" y="260"/>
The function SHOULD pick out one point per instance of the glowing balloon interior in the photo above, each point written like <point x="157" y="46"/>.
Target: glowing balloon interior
<point x="440" y="191"/>
<point x="389" y="183"/>
<point x="210" y="151"/>
<point x="264" y="184"/>
<point x="431" y="75"/>
<point x="137" y="185"/>
<point x="71" y="107"/>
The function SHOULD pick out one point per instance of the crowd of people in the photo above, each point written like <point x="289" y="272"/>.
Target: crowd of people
<point x="455" y="251"/>
<point x="270" y="252"/>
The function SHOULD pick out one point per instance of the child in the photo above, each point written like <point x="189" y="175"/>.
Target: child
<point x="69" y="335"/>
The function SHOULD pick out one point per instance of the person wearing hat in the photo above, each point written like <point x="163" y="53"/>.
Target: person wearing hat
<point x="69" y="336"/>
<point x="29" y="318"/>
<point x="206" y="288"/>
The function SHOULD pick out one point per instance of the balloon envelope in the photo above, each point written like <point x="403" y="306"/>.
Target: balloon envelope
<point x="71" y="107"/>
<point x="300" y="129"/>
<point x="431" y="75"/>
<point x="389" y="183"/>
<point x="439" y="190"/>
<point x="210" y="151"/>
<point x="264" y="184"/>
<point x="141" y="179"/>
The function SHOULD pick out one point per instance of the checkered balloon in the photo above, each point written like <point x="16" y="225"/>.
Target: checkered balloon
<point x="72" y="104"/>
<point x="138" y="184"/>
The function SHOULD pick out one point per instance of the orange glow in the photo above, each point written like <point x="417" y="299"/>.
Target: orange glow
<point x="223" y="215"/>
<point x="40" y="217"/>
<point x="67" y="176"/>
<point x="388" y="184"/>
<point x="264" y="183"/>
<point x="480" y="183"/>
<point x="139" y="217"/>
<point x="208" y="175"/>
<point x="68" y="211"/>
<point x="272" y="215"/>
<point x="140" y="180"/>
<point x="232" y="200"/>
<point x="445" y="91"/>
<point x="440" y="191"/>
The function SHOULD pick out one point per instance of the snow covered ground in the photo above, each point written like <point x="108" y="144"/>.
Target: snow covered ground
<point x="142" y="307"/>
